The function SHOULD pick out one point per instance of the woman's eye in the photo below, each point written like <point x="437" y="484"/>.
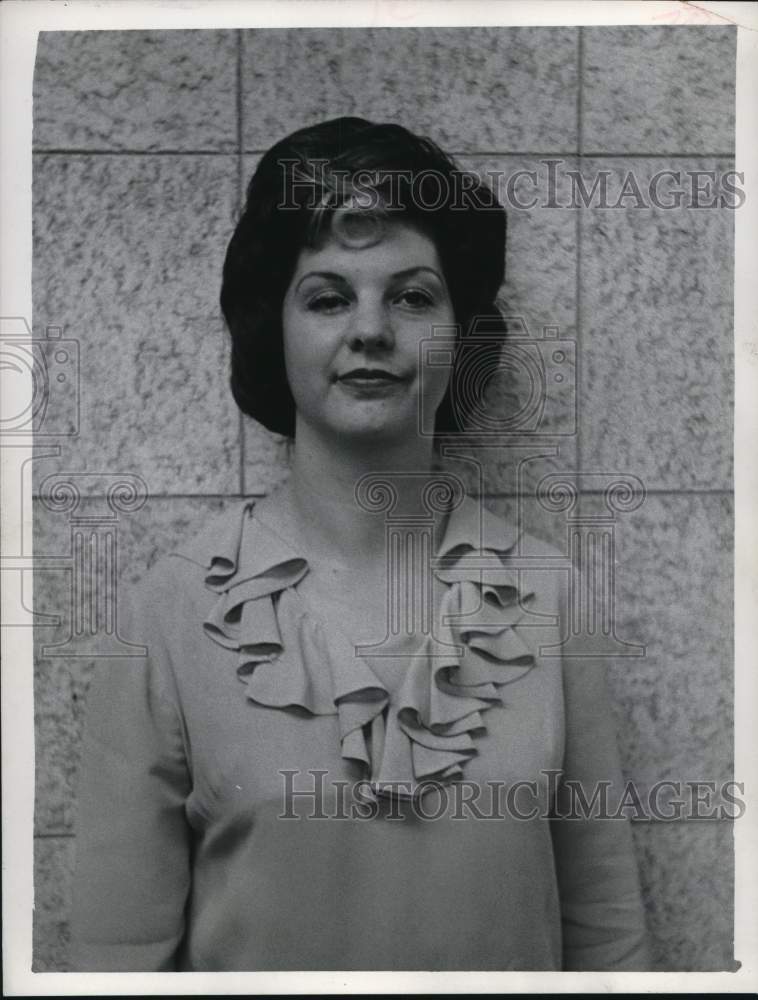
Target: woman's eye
<point x="327" y="302"/>
<point x="415" y="298"/>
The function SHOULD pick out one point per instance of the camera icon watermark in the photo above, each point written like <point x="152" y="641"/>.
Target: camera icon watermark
<point x="531" y="378"/>
<point x="41" y="381"/>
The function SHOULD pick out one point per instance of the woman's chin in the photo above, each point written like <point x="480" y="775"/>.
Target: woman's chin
<point x="369" y="422"/>
<point x="379" y="429"/>
<point x="379" y="432"/>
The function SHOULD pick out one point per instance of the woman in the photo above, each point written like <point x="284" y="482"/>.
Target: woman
<point x="343" y="748"/>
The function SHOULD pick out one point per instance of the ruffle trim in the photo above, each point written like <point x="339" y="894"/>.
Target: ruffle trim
<point x="423" y="732"/>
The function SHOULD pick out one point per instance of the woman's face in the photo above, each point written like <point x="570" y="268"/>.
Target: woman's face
<point x="353" y="319"/>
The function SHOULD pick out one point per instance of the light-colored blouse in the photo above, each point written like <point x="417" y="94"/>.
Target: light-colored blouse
<point x="254" y="795"/>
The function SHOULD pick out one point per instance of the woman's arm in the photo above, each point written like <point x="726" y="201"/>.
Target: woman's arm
<point x="602" y="914"/>
<point x="132" y="874"/>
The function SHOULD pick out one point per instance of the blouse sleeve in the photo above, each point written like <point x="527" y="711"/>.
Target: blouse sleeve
<point x="132" y="874"/>
<point x="601" y="908"/>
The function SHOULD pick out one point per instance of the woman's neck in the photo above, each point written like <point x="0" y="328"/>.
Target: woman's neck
<point x="322" y="492"/>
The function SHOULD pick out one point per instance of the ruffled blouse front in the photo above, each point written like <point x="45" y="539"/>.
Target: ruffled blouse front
<point x="427" y="728"/>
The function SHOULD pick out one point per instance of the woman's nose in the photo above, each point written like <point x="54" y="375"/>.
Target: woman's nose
<point x="371" y="328"/>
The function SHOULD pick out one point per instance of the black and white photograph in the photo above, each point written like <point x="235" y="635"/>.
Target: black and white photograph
<point x="377" y="461"/>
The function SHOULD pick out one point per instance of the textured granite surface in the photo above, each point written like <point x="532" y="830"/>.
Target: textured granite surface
<point x="656" y="383"/>
<point x="510" y="465"/>
<point x="674" y="595"/>
<point x="265" y="457"/>
<point x="687" y="877"/>
<point x="661" y="89"/>
<point x="53" y="870"/>
<point x="136" y="90"/>
<point x="532" y="519"/>
<point x="61" y="682"/>
<point x="540" y="260"/>
<point x="128" y="254"/>
<point x="470" y="89"/>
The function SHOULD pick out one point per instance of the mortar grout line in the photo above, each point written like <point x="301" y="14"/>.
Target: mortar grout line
<point x="578" y="246"/>
<point x="657" y="156"/>
<point x="461" y="154"/>
<point x="505" y="495"/>
<point x="569" y="154"/>
<point x="648" y="492"/>
<point x="62" y="151"/>
<point x="580" y="91"/>
<point x="240" y="189"/>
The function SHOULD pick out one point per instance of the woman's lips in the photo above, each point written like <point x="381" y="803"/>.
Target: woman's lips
<point x="367" y="377"/>
<point x="370" y="383"/>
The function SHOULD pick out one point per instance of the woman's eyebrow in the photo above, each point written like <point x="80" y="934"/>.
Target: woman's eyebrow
<point x="328" y="275"/>
<point x="409" y="271"/>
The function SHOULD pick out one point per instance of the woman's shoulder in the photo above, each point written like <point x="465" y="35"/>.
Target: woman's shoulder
<point x="541" y="566"/>
<point x="187" y="565"/>
<point x="217" y="538"/>
<point x="496" y="525"/>
<point x="504" y="531"/>
<point x="492" y="546"/>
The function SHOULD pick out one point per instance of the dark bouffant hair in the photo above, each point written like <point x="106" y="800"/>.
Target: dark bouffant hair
<point x="291" y="201"/>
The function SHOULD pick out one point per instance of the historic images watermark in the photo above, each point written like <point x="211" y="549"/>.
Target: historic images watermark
<point x="307" y="795"/>
<point x="549" y="182"/>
